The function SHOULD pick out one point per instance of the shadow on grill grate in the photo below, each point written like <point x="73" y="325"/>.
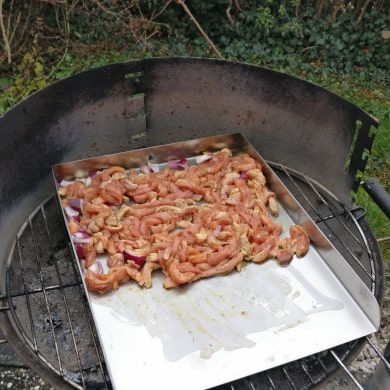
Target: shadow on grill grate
<point x="50" y="311"/>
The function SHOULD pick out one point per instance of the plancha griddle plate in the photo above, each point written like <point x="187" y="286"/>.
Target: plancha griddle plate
<point x="224" y="328"/>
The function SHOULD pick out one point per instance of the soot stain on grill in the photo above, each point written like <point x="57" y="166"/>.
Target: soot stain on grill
<point x="51" y="322"/>
<point x="50" y="260"/>
<point x="60" y="245"/>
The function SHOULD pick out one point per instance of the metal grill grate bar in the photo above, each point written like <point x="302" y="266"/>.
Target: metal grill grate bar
<point x="345" y="368"/>
<point x="270" y="381"/>
<point x="91" y="329"/>
<point x="379" y="353"/>
<point x="47" y="288"/>
<point x="42" y="250"/>
<point x="331" y="214"/>
<point x="27" y="297"/>
<point x="48" y="309"/>
<point x="64" y="299"/>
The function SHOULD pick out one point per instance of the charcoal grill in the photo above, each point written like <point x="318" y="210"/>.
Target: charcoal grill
<point x="316" y="142"/>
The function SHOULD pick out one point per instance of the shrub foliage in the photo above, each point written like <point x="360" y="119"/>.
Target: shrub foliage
<point x="45" y="40"/>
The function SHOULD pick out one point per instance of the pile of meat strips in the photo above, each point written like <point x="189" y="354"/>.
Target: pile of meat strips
<point x="191" y="221"/>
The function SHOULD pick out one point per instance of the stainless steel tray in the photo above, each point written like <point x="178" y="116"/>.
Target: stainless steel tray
<point x="228" y="327"/>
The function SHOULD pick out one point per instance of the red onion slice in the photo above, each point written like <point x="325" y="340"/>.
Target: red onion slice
<point x="75" y="204"/>
<point x="64" y="183"/>
<point x="77" y="218"/>
<point x="96" y="268"/>
<point x="79" y="252"/>
<point x="202" y="158"/>
<point x="70" y="212"/>
<point x="146" y="169"/>
<point x="138" y="259"/>
<point x="217" y="230"/>
<point x="82" y="265"/>
<point x="153" y="166"/>
<point x="244" y="175"/>
<point x="82" y="238"/>
<point x="93" y="174"/>
<point x="178" y="164"/>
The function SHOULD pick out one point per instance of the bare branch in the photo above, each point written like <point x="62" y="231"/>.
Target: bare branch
<point x="53" y="1"/>
<point x="363" y="11"/>
<point x="102" y="7"/>
<point x="319" y="6"/>
<point x="7" y="47"/>
<point x="236" y="2"/>
<point x="162" y="10"/>
<point x="237" y="5"/>
<point x="228" y="9"/>
<point x="337" y="7"/>
<point x="199" y="27"/>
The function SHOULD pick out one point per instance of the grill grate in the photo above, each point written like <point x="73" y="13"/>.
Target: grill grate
<point x="47" y="301"/>
<point x="48" y="308"/>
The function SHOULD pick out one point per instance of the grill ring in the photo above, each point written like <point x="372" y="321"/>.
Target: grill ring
<point x="47" y="320"/>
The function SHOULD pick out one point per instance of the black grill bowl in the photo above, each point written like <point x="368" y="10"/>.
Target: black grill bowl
<point x="308" y="134"/>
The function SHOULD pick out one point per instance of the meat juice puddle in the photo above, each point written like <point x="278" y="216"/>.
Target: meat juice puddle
<point x="221" y="312"/>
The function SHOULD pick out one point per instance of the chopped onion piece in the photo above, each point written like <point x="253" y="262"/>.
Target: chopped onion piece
<point x="76" y="218"/>
<point x="92" y="174"/>
<point x="81" y="174"/>
<point x="82" y="265"/>
<point x="70" y="211"/>
<point x="82" y="237"/>
<point x="175" y="164"/>
<point x="138" y="259"/>
<point x="202" y="158"/>
<point x="244" y="175"/>
<point x="79" y="252"/>
<point x="217" y="230"/>
<point x="153" y="166"/>
<point x="75" y="204"/>
<point x="96" y="268"/>
<point x="81" y="234"/>
<point x="64" y="183"/>
<point x="146" y="169"/>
